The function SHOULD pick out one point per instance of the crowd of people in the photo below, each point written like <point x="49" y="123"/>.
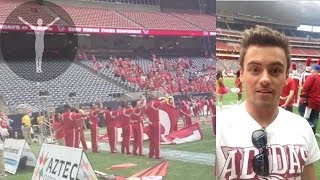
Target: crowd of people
<point x="164" y="74"/>
<point x="134" y="119"/>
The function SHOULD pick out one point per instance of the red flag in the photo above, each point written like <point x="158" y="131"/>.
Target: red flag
<point x="158" y="170"/>
<point x="187" y="134"/>
<point x="103" y="137"/>
<point x="122" y="166"/>
<point x="173" y="114"/>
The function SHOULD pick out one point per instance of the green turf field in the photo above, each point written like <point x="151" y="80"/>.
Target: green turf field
<point x="178" y="169"/>
<point x="231" y="98"/>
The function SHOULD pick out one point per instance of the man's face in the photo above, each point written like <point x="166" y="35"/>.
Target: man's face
<point x="39" y="22"/>
<point x="170" y="101"/>
<point x="264" y="74"/>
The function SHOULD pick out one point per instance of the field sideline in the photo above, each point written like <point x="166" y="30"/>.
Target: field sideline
<point x="231" y="98"/>
<point x="182" y="159"/>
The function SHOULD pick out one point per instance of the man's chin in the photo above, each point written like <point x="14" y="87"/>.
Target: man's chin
<point x="263" y="104"/>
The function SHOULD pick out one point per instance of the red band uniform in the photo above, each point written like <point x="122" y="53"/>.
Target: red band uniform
<point x="152" y="112"/>
<point x="69" y="125"/>
<point x="94" y="120"/>
<point x="137" y="130"/>
<point x="111" y="122"/>
<point x="126" y="129"/>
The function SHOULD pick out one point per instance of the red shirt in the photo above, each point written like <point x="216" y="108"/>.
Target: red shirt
<point x="107" y="117"/>
<point x="211" y="104"/>
<point x="124" y="116"/>
<point x="186" y="107"/>
<point x="93" y="116"/>
<point x="152" y="110"/>
<point x="114" y="115"/>
<point x="58" y="128"/>
<point x="286" y="90"/>
<point x="69" y="119"/>
<point x="312" y="88"/>
<point x="137" y="115"/>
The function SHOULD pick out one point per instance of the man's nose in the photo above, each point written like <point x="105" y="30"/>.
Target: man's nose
<point x="265" y="78"/>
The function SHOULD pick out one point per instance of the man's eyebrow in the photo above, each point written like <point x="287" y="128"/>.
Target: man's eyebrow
<point x="276" y="63"/>
<point x="253" y="63"/>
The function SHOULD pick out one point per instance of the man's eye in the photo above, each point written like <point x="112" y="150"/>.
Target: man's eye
<point x="276" y="71"/>
<point x="254" y="70"/>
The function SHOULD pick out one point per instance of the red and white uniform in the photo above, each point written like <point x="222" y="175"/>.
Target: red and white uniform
<point x="296" y="81"/>
<point x="212" y="107"/>
<point x="58" y="129"/>
<point x="152" y="112"/>
<point x="137" y="130"/>
<point x="81" y="134"/>
<point x="126" y="129"/>
<point x="94" y="120"/>
<point x="186" y="112"/>
<point x="304" y="77"/>
<point x="196" y="108"/>
<point x="70" y="126"/>
<point x="4" y="124"/>
<point x="111" y="122"/>
<point x="290" y="86"/>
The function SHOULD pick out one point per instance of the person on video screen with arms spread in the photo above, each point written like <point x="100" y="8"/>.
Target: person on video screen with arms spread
<point x="265" y="141"/>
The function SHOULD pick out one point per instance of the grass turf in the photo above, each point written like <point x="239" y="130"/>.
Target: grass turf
<point x="231" y="98"/>
<point x="176" y="169"/>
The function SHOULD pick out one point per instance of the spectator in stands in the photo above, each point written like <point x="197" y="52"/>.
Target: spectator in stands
<point x="258" y="132"/>
<point x="26" y="127"/>
<point x="222" y="89"/>
<point x="287" y="95"/>
<point x="238" y="85"/>
<point x="311" y="90"/>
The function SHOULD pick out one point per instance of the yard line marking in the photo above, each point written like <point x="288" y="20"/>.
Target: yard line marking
<point x="191" y="157"/>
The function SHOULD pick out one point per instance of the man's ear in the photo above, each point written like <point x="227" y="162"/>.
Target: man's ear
<point x="241" y="74"/>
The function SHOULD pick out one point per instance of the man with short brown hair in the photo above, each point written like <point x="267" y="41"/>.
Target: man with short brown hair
<point x="258" y="139"/>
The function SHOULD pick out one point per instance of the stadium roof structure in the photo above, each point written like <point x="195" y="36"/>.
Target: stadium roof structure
<point x="293" y="13"/>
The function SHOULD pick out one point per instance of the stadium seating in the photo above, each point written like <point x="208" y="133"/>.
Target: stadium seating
<point x="158" y="20"/>
<point x="91" y="16"/>
<point x="88" y="86"/>
<point x="203" y="21"/>
<point x="156" y="72"/>
<point x="30" y="11"/>
<point x="96" y="17"/>
<point x="225" y="46"/>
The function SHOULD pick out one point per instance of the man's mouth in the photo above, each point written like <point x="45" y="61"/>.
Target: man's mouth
<point x="264" y="91"/>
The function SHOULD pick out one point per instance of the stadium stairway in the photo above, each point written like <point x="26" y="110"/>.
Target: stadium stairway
<point x="131" y="20"/>
<point x="102" y="76"/>
<point x="54" y="15"/>
<point x="186" y="21"/>
<point x="3" y="107"/>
